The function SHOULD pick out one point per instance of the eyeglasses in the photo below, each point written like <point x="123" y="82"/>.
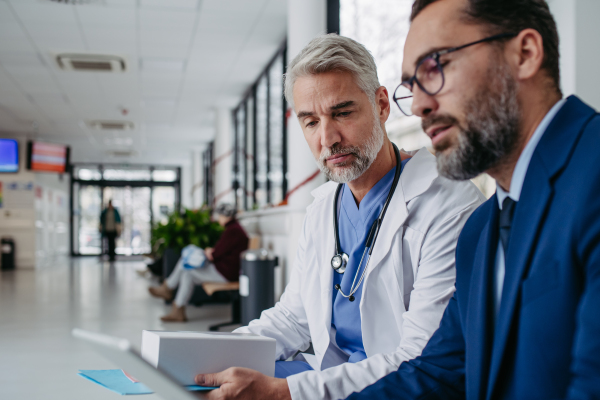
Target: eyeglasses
<point x="429" y="75"/>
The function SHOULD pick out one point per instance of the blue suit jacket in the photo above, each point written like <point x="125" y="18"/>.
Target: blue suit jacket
<point x="546" y="344"/>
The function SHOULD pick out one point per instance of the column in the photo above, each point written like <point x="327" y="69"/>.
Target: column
<point x="198" y="178"/>
<point x="579" y="32"/>
<point x="306" y="20"/>
<point x="223" y="157"/>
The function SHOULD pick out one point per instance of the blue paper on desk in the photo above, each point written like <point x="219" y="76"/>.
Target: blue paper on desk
<point x="118" y="382"/>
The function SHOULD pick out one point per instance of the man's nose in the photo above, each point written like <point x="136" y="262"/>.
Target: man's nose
<point x="423" y="104"/>
<point x="330" y="133"/>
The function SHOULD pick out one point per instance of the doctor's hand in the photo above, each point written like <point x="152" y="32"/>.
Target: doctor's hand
<point x="244" y="384"/>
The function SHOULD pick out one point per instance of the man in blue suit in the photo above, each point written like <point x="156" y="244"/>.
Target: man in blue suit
<point x="524" y="322"/>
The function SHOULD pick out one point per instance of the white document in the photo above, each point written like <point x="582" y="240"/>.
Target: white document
<point x="183" y="355"/>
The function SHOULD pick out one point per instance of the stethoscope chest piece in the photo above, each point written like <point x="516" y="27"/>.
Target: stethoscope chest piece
<point x="339" y="262"/>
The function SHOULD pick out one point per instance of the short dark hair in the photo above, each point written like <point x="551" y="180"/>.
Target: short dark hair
<point x="513" y="16"/>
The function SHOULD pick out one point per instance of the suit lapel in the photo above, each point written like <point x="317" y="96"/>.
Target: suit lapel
<point x="479" y="320"/>
<point x="528" y="218"/>
<point x="549" y="158"/>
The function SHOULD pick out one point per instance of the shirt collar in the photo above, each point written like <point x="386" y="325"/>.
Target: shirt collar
<point x="518" y="176"/>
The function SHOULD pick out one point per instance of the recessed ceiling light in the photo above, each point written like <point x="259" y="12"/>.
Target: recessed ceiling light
<point x="162" y="65"/>
<point x="110" y="125"/>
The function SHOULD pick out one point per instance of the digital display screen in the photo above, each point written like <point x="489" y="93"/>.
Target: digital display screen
<point x="9" y="155"/>
<point x="48" y="157"/>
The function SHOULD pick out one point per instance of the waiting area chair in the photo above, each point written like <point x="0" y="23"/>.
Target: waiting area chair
<point x="232" y="290"/>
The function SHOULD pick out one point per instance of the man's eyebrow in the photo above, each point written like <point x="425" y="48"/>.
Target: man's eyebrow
<point x="423" y="56"/>
<point x="303" y="114"/>
<point x="338" y="106"/>
<point x="341" y="105"/>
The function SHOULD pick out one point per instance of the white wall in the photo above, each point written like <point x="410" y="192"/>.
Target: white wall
<point x="579" y="32"/>
<point x="223" y="157"/>
<point x="187" y="178"/>
<point x="35" y="212"/>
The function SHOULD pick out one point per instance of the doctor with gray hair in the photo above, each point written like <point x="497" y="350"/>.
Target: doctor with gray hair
<point x="374" y="269"/>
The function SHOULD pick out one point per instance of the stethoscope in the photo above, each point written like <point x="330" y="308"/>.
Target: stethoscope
<point x="340" y="259"/>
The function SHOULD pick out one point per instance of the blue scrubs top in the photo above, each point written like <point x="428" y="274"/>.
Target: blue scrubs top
<point x="354" y="224"/>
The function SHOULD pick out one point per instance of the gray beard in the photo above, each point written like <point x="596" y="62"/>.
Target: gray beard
<point x="492" y="129"/>
<point x="363" y="157"/>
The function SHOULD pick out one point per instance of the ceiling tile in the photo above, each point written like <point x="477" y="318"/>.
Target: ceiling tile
<point x="170" y="4"/>
<point x="44" y="12"/>
<point x="106" y="16"/>
<point x="157" y="18"/>
<point x="111" y="40"/>
<point x="224" y="44"/>
<point x="6" y="14"/>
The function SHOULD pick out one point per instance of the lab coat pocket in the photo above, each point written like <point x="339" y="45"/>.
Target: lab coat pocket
<point x="412" y="241"/>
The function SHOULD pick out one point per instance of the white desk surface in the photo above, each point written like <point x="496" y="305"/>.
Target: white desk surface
<point x="38" y="308"/>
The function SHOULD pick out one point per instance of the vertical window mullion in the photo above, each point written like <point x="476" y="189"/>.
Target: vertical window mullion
<point x="235" y="157"/>
<point x="284" y="130"/>
<point x="268" y="144"/>
<point x="254" y="143"/>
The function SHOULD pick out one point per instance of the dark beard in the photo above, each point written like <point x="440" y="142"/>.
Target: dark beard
<point x="491" y="133"/>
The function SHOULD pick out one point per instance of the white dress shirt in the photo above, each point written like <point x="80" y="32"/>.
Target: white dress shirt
<point x="516" y="185"/>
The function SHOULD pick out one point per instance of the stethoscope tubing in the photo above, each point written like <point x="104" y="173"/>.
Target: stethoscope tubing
<point x="373" y="232"/>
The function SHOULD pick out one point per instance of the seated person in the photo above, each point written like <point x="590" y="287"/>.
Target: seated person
<point x="364" y="321"/>
<point x="223" y="265"/>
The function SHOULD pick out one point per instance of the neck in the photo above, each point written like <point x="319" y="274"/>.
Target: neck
<point x="533" y="114"/>
<point x="386" y="160"/>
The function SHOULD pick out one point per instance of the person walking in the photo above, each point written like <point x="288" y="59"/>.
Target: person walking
<point x="110" y="228"/>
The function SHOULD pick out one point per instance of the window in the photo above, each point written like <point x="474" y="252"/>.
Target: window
<point x="249" y="160"/>
<point x="261" y="150"/>
<point x="276" y="142"/>
<point x="260" y="162"/>
<point x="239" y="167"/>
<point x="118" y="174"/>
<point x="164" y="175"/>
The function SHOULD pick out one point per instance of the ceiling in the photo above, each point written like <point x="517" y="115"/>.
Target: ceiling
<point x="185" y="59"/>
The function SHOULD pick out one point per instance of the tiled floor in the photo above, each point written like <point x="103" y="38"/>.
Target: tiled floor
<point x="38" y="308"/>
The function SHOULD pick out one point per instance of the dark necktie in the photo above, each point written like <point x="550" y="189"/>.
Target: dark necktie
<point x="506" y="217"/>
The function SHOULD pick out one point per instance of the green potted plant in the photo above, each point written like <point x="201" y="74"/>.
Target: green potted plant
<point x="188" y="227"/>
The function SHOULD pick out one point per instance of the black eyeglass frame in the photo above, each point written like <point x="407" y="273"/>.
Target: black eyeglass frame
<point x="436" y="57"/>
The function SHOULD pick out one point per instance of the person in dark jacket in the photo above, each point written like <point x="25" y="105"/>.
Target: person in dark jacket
<point x="223" y="265"/>
<point x="110" y="227"/>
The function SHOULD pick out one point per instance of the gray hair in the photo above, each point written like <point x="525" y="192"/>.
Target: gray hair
<point x="328" y="53"/>
<point x="226" y="209"/>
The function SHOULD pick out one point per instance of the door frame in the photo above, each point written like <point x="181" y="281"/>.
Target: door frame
<point x="102" y="183"/>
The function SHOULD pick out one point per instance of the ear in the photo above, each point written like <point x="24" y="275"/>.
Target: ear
<point x="527" y="53"/>
<point x="382" y="99"/>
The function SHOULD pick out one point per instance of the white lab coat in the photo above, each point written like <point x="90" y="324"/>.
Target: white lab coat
<point x="408" y="284"/>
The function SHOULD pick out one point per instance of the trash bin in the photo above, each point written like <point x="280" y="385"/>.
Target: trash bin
<point x="7" y="247"/>
<point x="257" y="283"/>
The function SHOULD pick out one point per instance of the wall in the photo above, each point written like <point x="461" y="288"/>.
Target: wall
<point x="273" y="226"/>
<point x="580" y="55"/>
<point x="35" y="212"/>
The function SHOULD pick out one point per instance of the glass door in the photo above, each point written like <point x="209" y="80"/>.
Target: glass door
<point x="86" y="210"/>
<point x="133" y="205"/>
